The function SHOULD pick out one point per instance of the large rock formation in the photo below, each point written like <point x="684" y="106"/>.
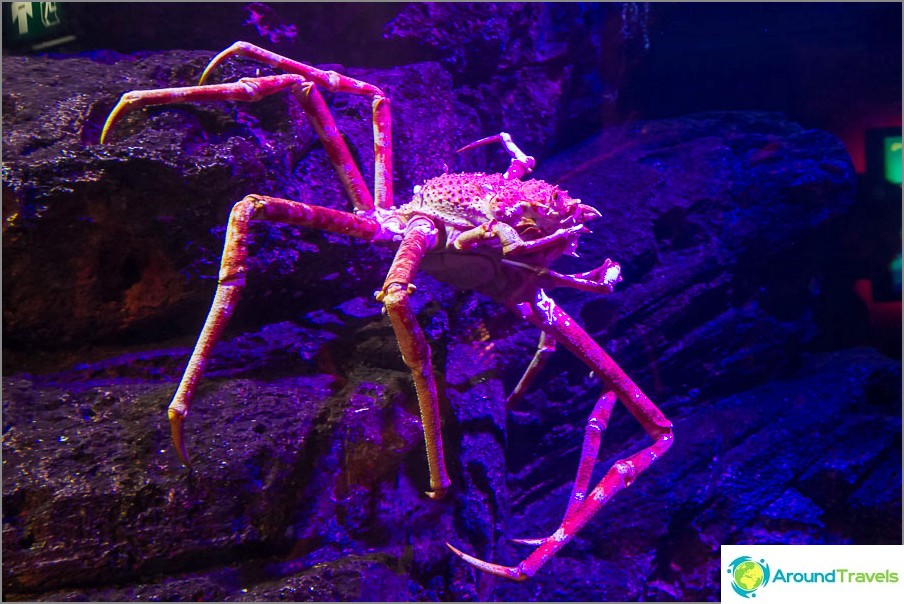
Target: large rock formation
<point x="137" y="224"/>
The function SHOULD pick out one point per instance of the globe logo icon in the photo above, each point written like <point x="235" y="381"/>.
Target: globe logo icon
<point x="748" y="575"/>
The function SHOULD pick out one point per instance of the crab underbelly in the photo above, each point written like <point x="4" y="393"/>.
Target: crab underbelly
<point x="479" y="272"/>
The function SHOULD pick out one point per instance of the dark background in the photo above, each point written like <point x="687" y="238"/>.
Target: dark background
<point x="833" y="66"/>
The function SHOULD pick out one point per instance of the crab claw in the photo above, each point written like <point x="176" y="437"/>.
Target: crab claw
<point x="607" y="274"/>
<point x="176" y="419"/>
<point x="506" y="572"/>
<point x="588" y="212"/>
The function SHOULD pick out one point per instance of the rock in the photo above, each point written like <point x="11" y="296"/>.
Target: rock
<point x="542" y="72"/>
<point x="323" y="497"/>
<point x="723" y="223"/>
<point x="110" y="242"/>
<point x="740" y="472"/>
<point x="551" y="70"/>
<point x="136" y="225"/>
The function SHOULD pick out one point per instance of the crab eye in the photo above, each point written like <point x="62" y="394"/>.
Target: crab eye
<point x="558" y="202"/>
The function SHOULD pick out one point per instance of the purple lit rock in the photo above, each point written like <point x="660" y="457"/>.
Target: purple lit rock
<point x="137" y="224"/>
<point x="535" y="70"/>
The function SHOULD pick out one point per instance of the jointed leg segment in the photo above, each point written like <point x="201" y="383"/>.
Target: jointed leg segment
<point x="334" y="82"/>
<point x="246" y="89"/>
<point x="545" y="348"/>
<point x="232" y="279"/>
<point x="419" y="238"/>
<point x="301" y="80"/>
<point x="521" y="165"/>
<point x="546" y="315"/>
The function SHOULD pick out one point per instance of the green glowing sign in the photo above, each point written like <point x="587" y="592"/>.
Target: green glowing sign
<point x="891" y="150"/>
<point x="36" y="24"/>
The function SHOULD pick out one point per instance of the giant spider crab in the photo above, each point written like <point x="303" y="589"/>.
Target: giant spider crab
<point x="491" y="233"/>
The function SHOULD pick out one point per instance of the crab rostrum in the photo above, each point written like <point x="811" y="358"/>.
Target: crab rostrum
<point x="492" y="233"/>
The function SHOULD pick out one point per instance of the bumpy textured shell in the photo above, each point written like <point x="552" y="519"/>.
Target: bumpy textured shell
<point x="467" y="200"/>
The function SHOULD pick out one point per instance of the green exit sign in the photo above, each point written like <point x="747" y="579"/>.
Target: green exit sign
<point x="891" y="148"/>
<point x="37" y="25"/>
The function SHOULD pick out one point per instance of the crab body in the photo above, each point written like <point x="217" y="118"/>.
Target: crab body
<point x="471" y="203"/>
<point x="464" y="201"/>
<point x="493" y="233"/>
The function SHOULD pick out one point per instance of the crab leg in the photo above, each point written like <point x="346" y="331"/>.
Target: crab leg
<point x="334" y="82"/>
<point x="546" y="315"/>
<point x="336" y="148"/>
<point x="254" y="89"/>
<point x="545" y="348"/>
<point x="522" y="165"/>
<point x="600" y="280"/>
<point x="419" y="238"/>
<point x="593" y="434"/>
<point x="246" y="89"/>
<point x="232" y="279"/>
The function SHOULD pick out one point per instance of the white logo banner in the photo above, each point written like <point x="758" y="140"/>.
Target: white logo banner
<point x="775" y="574"/>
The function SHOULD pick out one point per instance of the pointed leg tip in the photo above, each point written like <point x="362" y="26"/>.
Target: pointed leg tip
<point x="108" y="126"/>
<point x="127" y="102"/>
<point x="513" y="400"/>
<point x="437" y="494"/>
<point x="484" y="141"/>
<point x="530" y="542"/>
<point x="455" y="550"/>
<point x="206" y="73"/>
<point x="506" y="572"/>
<point x="214" y="63"/>
<point x="176" y="419"/>
<point x="185" y="459"/>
